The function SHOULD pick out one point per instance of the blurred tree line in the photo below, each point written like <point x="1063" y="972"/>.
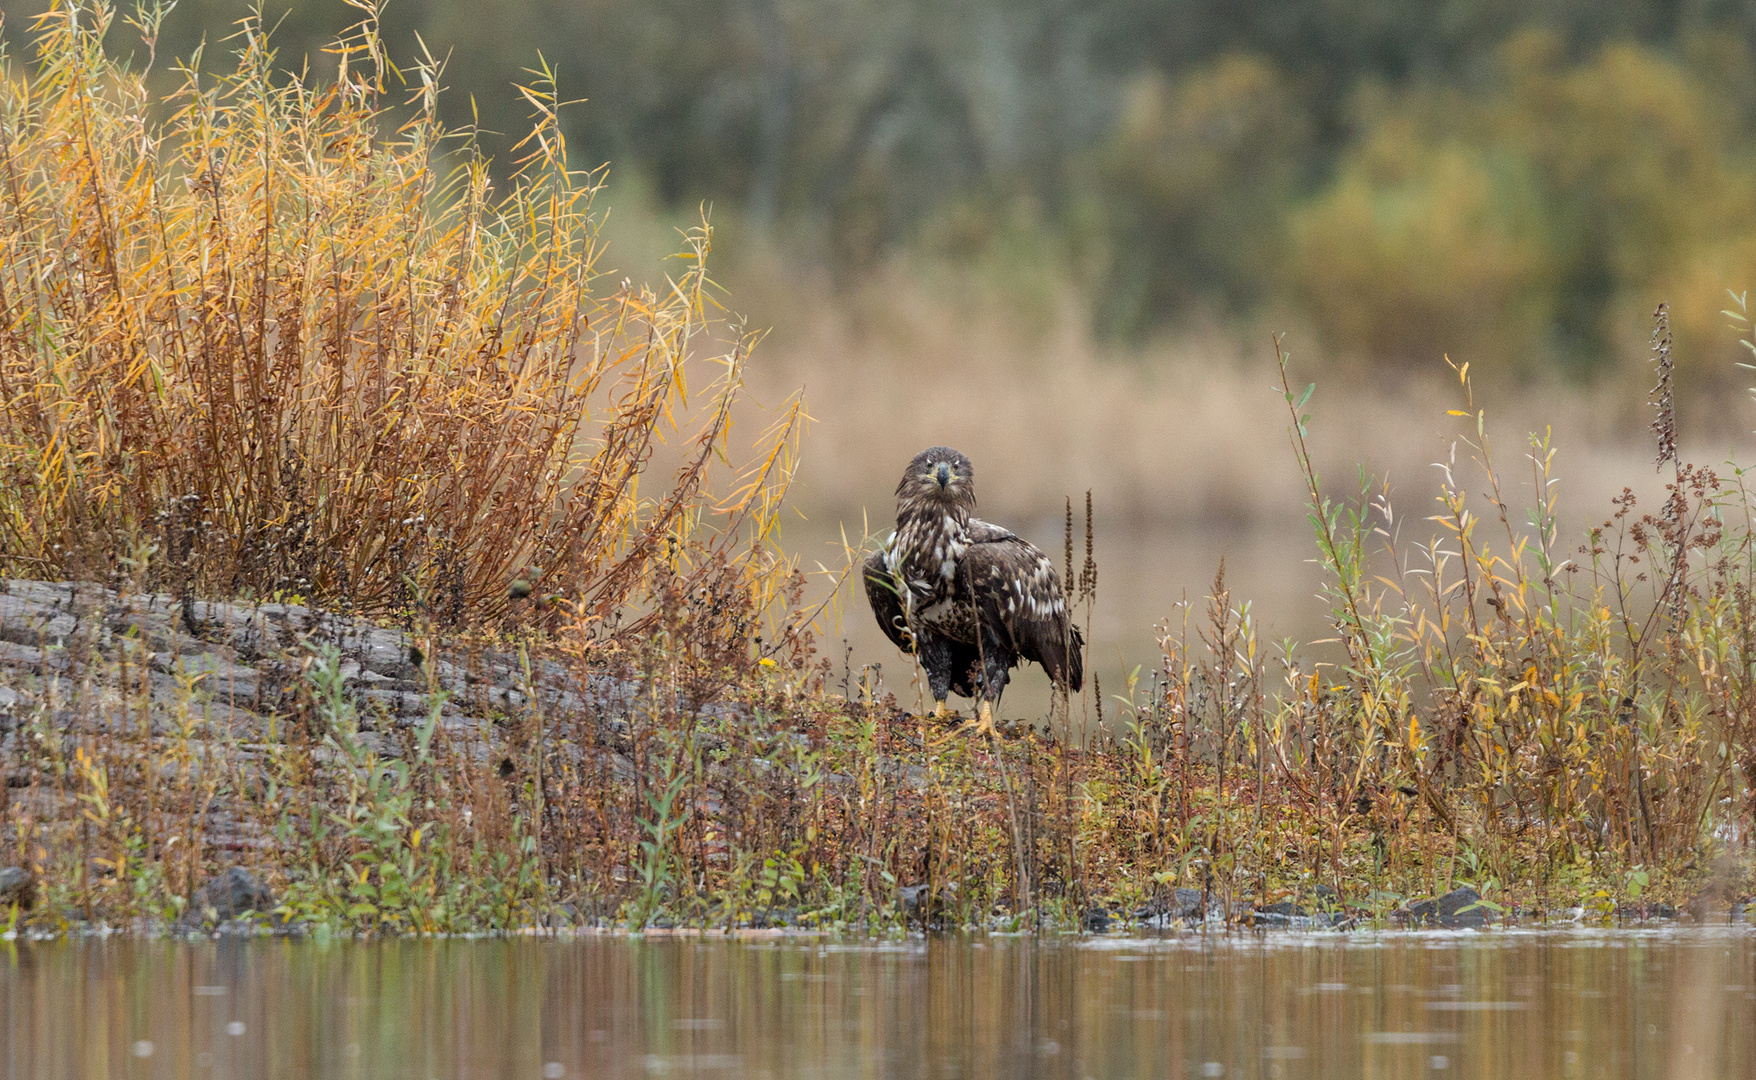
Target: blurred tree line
<point x="1514" y="182"/>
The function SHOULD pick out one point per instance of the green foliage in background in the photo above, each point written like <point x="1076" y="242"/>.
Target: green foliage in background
<point x="1513" y="183"/>
<point x="1202" y="167"/>
<point x="1521" y="223"/>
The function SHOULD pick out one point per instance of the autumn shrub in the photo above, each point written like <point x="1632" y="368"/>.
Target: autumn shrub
<point x="273" y="335"/>
<point x="1527" y="224"/>
<point x="1417" y="243"/>
<point x="1510" y="707"/>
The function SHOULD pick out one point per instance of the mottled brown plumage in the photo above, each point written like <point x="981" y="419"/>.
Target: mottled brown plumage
<point x="969" y="598"/>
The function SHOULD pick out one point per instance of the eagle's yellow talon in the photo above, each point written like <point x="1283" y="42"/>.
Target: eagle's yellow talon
<point x="983" y="724"/>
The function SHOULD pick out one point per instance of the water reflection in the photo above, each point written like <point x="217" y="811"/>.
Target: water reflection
<point x="1583" y="1004"/>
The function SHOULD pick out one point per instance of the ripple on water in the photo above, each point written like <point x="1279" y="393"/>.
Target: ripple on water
<point x="1528" y="1004"/>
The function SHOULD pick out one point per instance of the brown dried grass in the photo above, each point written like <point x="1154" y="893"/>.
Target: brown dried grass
<point x="290" y="340"/>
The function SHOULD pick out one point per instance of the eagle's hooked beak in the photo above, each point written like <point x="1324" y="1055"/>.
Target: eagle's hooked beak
<point x="943" y="474"/>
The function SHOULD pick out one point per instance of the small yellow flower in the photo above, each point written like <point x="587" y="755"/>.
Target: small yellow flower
<point x="766" y="661"/>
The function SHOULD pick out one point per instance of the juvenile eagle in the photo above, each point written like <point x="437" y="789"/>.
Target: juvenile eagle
<point x="969" y="598"/>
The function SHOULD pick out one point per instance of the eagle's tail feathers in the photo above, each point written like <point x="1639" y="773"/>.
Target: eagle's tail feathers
<point x="1064" y="659"/>
<point x="1075" y="660"/>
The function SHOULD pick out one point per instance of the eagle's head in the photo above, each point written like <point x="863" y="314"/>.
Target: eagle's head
<point x="938" y="478"/>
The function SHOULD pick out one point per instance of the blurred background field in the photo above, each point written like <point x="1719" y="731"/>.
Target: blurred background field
<point x="1057" y="235"/>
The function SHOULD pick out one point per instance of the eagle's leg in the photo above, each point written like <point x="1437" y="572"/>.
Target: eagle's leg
<point x="997" y="661"/>
<point x="938" y="656"/>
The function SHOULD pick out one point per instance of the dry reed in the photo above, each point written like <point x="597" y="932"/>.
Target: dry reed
<point x="291" y="341"/>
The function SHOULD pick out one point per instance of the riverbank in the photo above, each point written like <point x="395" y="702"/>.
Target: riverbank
<point x="252" y="768"/>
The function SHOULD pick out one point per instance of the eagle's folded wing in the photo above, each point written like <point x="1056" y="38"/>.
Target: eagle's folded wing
<point x="1018" y="589"/>
<point x="986" y="532"/>
<point x="886" y="603"/>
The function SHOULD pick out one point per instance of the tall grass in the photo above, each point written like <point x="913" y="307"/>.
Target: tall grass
<point x="1512" y="709"/>
<point x="278" y="336"/>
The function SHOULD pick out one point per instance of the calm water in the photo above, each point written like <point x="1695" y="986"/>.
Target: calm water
<point x="1676" y="1003"/>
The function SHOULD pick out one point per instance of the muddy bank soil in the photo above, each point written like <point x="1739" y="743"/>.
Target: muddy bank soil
<point x="79" y="661"/>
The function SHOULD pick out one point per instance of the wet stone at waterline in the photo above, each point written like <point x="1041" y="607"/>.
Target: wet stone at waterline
<point x="1525" y="1004"/>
